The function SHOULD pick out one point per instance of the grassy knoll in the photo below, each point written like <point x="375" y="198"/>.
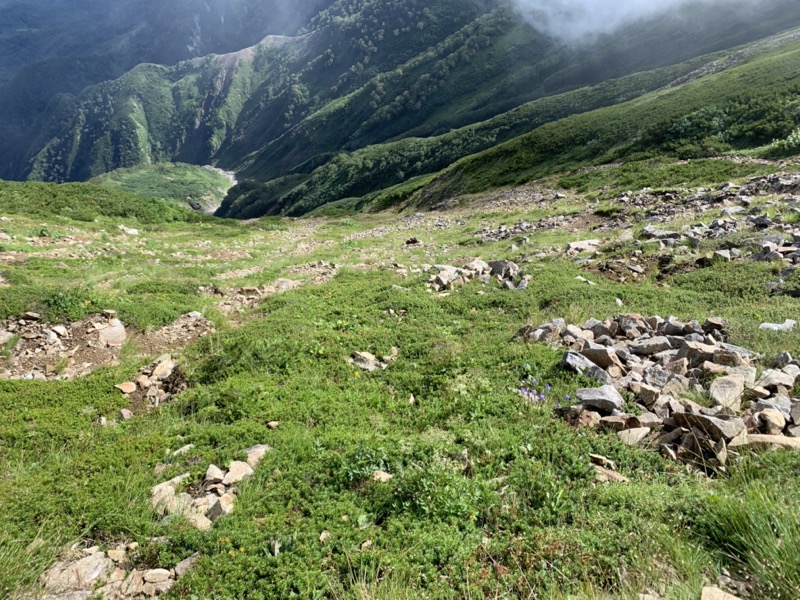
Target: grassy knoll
<point x="177" y="182"/>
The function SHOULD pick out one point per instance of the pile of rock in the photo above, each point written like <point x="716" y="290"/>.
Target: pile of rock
<point x="659" y="362"/>
<point x="157" y="383"/>
<point x="46" y="352"/>
<point x="522" y="229"/>
<point x="212" y="498"/>
<point x="239" y="299"/>
<point x="505" y="271"/>
<point x="94" y="573"/>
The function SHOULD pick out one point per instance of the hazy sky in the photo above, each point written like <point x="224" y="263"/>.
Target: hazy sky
<point x="572" y="20"/>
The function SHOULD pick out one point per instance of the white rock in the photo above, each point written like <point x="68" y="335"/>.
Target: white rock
<point x="237" y="471"/>
<point x="214" y="474"/>
<point x="156" y="575"/>
<point x="786" y="326"/>
<point x="256" y="453"/>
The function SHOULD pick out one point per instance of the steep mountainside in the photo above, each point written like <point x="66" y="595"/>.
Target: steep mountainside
<point x="59" y="47"/>
<point x="373" y="93"/>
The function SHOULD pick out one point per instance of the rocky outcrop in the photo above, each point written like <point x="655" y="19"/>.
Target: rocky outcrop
<point x="661" y="364"/>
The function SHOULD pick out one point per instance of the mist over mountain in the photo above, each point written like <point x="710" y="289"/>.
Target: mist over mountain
<point x="576" y="21"/>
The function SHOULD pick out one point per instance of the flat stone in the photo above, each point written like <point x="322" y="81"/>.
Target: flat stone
<point x="125" y="415"/>
<point x="714" y="593"/>
<point x="632" y="437"/>
<point x="604" y="475"/>
<point x="126" y="388"/>
<point x="256" y="453"/>
<point x="772" y="379"/>
<point x="727" y="391"/>
<point x="214" y="475"/>
<point x="186" y="565"/>
<point x="605" y="398"/>
<point x="237" y="471"/>
<point x="80" y="575"/>
<point x="156" y="575"/>
<point x="715" y="427"/>
<point x="583" y="246"/>
<point x="651" y="346"/>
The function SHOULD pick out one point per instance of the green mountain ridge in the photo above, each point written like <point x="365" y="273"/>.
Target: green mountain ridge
<point x="370" y="95"/>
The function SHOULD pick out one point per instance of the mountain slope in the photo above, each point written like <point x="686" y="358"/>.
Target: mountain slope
<point x="372" y="93"/>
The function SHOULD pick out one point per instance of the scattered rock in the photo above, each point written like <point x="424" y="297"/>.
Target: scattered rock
<point x="366" y="361"/>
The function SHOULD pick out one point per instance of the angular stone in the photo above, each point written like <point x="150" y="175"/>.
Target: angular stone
<point x="632" y="437"/>
<point x="221" y="506"/>
<point x="126" y="388"/>
<point x="163" y="369"/>
<point x="771" y="421"/>
<point x="696" y="353"/>
<point x="186" y="565"/>
<point x="651" y="346"/>
<point x="749" y="373"/>
<point x="772" y="379"/>
<point x="602" y="356"/>
<point x="214" y="475"/>
<point x="649" y="394"/>
<point x="604" y="475"/>
<point x="583" y="366"/>
<point x="605" y="398"/>
<point x="256" y="453"/>
<point x="715" y="427"/>
<point x="646" y="419"/>
<point x="113" y="336"/>
<point x="727" y="391"/>
<point x="505" y="269"/>
<point x="727" y="358"/>
<point x="237" y="471"/>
